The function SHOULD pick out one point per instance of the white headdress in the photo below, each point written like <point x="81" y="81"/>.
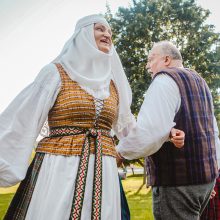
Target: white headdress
<point x="94" y="69"/>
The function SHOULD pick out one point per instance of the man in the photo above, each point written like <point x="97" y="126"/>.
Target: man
<point x="182" y="179"/>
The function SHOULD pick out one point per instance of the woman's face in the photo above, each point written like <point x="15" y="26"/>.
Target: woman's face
<point x="103" y="37"/>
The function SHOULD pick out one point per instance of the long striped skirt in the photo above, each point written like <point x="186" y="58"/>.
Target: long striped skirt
<point x="19" y="205"/>
<point x="48" y="189"/>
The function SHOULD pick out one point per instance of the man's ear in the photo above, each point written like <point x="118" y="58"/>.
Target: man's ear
<point x="167" y="60"/>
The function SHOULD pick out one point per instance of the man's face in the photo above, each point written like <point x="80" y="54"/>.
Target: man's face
<point x="156" y="61"/>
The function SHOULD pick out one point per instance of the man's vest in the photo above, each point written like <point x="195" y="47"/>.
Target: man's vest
<point x="196" y="162"/>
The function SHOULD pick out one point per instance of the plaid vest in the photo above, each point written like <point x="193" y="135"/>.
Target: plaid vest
<point x="196" y="162"/>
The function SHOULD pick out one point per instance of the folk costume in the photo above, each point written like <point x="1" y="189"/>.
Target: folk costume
<point x="182" y="179"/>
<point x="83" y="94"/>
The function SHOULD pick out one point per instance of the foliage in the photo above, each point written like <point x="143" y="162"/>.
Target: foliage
<point x="215" y="83"/>
<point x="144" y="22"/>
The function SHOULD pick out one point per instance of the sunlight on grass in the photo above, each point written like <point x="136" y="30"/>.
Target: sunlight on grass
<point x="8" y="189"/>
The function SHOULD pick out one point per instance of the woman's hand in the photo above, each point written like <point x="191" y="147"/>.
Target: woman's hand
<point x="213" y="194"/>
<point x="177" y="137"/>
<point x="119" y="159"/>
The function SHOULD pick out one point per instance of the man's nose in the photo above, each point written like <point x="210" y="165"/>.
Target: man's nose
<point x="147" y="66"/>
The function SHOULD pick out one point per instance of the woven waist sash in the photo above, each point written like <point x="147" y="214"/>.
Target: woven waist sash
<point x="83" y="169"/>
<point x="68" y="131"/>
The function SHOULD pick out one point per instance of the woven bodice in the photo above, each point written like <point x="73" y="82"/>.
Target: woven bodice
<point x="75" y="108"/>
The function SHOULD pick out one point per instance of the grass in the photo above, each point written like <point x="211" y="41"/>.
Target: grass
<point x="4" y="203"/>
<point x="139" y="198"/>
<point x="6" y="195"/>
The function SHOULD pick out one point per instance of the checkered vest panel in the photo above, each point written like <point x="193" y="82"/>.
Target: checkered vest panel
<point x="195" y="163"/>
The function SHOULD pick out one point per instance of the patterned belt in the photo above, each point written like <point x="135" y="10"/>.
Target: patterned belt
<point x="83" y="169"/>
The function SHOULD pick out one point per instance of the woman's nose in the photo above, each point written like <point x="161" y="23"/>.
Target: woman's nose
<point x="107" y="34"/>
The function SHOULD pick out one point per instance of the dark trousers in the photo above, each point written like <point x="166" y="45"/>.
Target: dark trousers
<point x="180" y="202"/>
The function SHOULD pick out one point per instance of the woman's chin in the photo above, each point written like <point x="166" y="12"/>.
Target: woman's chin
<point x="105" y="49"/>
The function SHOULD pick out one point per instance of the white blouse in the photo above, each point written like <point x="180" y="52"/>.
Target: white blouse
<point x="22" y="120"/>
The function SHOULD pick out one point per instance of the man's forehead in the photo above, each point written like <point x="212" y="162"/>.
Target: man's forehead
<point x="154" y="51"/>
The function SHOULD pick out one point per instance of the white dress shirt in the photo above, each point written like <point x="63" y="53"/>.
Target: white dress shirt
<point x="155" y="120"/>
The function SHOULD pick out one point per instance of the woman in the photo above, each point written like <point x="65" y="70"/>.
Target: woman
<point x="212" y="210"/>
<point x="84" y="93"/>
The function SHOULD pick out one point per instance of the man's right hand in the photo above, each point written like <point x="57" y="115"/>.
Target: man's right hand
<point x="177" y="137"/>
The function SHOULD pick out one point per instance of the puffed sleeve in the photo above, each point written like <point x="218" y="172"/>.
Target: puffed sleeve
<point x="21" y="123"/>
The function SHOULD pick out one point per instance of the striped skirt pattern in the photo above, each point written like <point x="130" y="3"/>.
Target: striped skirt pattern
<point x="19" y="205"/>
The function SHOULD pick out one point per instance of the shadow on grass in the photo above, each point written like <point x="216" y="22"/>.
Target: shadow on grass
<point x="139" y="189"/>
<point x="135" y="175"/>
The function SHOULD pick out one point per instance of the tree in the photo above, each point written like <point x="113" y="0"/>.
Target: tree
<point x="214" y="83"/>
<point x="181" y="21"/>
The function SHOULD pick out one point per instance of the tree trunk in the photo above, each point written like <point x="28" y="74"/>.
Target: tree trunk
<point x="145" y="175"/>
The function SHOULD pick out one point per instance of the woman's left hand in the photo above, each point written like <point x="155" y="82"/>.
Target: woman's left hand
<point x="119" y="159"/>
<point x="213" y="194"/>
<point x="177" y="137"/>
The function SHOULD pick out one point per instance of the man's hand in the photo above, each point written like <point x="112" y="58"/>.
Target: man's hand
<point x="177" y="137"/>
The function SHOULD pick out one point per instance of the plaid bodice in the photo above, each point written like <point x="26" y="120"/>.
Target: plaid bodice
<point x="75" y="111"/>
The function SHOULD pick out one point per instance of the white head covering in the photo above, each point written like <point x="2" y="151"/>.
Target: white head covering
<point x="94" y="69"/>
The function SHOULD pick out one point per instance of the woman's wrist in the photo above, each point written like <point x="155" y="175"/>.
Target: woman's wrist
<point x="120" y="156"/>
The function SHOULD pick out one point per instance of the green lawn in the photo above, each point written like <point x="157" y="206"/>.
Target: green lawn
<point x="139" y="198"/>
<point x="4" y="202"/>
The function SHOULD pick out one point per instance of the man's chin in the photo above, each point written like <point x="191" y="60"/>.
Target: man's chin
<point x="152" y="74"/>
